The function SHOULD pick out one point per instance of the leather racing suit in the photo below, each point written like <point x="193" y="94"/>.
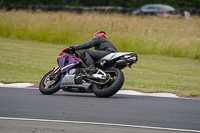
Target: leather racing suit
<point x="102" y="47"/>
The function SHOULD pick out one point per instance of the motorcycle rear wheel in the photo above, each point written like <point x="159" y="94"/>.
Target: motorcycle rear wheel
<point x="51" y="87"/>
<point x="111" y="87"/>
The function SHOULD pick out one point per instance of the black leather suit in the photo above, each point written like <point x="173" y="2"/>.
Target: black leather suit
<point x="102" y="47"/>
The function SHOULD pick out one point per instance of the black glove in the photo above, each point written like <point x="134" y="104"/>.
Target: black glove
<point x="72" y="47"/>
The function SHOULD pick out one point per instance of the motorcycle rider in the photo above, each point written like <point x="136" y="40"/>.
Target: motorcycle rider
<point x="102" y="47"/>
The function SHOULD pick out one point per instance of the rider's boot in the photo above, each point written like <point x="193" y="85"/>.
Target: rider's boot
<point x="90" y="70"/>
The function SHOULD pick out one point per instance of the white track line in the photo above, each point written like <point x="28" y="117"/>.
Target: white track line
<point x="96" y="123"/>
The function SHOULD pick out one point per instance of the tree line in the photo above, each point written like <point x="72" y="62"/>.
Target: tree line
<point x="190" y="4"/>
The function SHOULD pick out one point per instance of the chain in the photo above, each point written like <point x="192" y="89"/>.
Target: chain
<point x="99" y="82"/>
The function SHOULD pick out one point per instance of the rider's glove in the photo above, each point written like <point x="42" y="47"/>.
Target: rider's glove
<point x="73" y="47"/>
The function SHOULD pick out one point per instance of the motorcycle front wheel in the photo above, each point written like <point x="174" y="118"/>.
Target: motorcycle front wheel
<point x="112" y="86"/>
<point x="50" y="83"/>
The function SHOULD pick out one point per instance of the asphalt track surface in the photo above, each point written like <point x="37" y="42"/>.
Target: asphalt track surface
<point x="27" y="110"/>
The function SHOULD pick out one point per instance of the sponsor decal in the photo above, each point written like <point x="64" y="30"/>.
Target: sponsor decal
<point x="67" y="66"/>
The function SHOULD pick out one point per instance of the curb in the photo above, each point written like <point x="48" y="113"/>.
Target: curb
<point x="124" y="92"/>
<point x="33" y="86"/>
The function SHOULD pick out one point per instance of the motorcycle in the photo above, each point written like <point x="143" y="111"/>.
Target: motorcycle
<point x="70" y="75"/>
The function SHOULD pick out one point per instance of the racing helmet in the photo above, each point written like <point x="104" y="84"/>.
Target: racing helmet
<point x="100" y="33"/>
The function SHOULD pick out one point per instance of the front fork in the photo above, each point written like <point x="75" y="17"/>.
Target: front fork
<point x="55" y="74"/>
<point x="55" y="70"/>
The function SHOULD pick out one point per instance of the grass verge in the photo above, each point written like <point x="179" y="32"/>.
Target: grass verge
<point x="176" y="37"/>
<point x="28" y="61"/>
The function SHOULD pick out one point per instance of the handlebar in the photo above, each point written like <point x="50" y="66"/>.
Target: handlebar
<point x="70" y="51"/>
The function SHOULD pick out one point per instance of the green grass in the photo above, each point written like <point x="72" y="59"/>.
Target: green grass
<point x="173" y="37"/>
<point x="28" y="61"/>
<point x="155" y="73"/>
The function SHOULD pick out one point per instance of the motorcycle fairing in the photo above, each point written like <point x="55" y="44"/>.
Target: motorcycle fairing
<point x="113" y="56"/>
<point x="72" y="61"/>
<point x="109" y="58"/>
<point x="68" y="81"/>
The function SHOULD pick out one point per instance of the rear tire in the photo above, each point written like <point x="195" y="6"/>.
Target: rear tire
<point x="111" y="87"/>
<point x="49" y="89"/>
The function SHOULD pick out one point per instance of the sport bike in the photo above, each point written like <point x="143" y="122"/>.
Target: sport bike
<point x="70" y="74"/>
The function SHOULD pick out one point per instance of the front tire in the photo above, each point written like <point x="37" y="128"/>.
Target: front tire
<point x="111" y="87"/>
<point x="52" y="86"/>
